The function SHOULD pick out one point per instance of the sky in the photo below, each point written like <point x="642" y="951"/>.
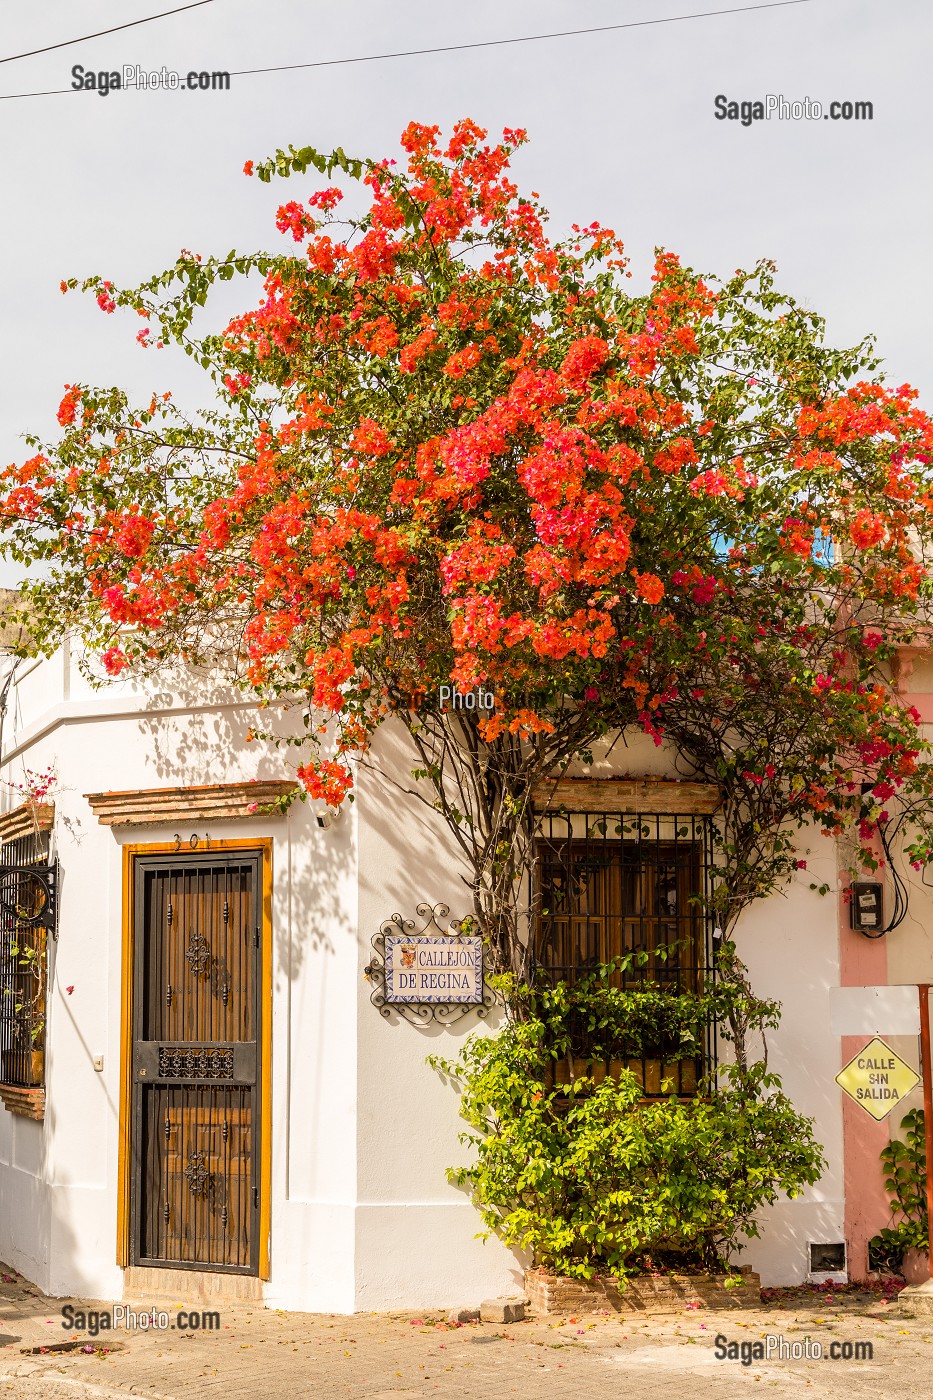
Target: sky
<point x="622" y="127"/>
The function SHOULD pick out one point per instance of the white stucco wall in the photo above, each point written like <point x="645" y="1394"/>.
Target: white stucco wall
<point x="790" y="945"/>
<point x="362" y="1216"/>
<point x="363" y="1130"/>
<point x="415" y="1232"/>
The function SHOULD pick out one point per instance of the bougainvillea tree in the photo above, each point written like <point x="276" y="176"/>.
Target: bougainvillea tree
<point x="448" y="449"/>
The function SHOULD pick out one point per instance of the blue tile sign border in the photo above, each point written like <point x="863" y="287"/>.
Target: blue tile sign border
<point x="428" y="970"/>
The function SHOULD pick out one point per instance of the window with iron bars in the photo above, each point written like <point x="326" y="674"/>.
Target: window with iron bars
<point x="27" y="899"/>
<point x="618" y="886"/>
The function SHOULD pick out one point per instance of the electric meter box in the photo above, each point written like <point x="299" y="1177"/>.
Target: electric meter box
<point x="865" y="906"/>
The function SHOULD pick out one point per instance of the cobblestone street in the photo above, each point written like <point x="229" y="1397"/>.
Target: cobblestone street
<point x="268" y="1355"/>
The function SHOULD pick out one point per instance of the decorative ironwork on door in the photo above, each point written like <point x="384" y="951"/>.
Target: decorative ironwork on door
<point x="196" y="1079"/>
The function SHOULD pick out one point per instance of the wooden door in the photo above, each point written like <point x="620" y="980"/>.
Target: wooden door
<point x="196" y="1071"/>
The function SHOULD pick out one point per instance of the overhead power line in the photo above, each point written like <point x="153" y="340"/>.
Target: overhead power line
<point x="437" y="49"/>
<point x="522" y="39"/>
<point x="83" y="38"/>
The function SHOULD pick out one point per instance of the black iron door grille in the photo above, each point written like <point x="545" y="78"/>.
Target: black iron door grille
<point x="196" y="1080"/>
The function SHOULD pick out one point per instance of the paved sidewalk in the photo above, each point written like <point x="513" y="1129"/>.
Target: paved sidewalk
<point x="270" y="1355"/>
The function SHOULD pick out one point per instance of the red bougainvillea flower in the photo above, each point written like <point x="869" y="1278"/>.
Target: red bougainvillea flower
<point x="650" y="587"/>
<point x="867" y="529"/>
<point x="68" y="405"/>
<point x="114" y="661"/>
<point x="104" y="300"/>
<point x="445" y="447"/>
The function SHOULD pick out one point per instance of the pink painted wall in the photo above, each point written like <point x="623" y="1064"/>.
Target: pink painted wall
<point x="863" y="962"/>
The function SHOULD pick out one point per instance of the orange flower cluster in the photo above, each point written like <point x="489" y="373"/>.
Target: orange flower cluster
<point x="448" y="448"/>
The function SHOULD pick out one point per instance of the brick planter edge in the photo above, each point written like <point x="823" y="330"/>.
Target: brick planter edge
<point x="549" y="1294"/>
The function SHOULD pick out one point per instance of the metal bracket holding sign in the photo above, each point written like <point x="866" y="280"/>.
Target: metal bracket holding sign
<point x="437" y="973"/>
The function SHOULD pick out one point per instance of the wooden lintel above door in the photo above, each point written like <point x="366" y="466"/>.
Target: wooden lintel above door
<point x="208" y="802"/>
<point x="649" y="795"/>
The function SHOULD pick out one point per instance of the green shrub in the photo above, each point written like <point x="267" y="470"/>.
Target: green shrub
<point x="904" y="1164"/>
<point x="593" y="1020"/>
<point x="591" y="1178"/>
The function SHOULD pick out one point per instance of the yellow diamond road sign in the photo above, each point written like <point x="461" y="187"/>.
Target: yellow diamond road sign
<point x="877" y="1079"/>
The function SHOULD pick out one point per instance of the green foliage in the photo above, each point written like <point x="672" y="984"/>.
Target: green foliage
<point x="596" y="1020"/>
<point x="593" y="1019"/>
<point x="589" y="1177"/>
<point x="904" y="1163"/>
<point x="25" y="1005"/>
<point x="610" y="1023"/>
<point x="886" y="1251"/>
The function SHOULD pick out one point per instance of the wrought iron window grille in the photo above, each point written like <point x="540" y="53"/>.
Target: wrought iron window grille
<point x="28" y="917"/>
<point x="630" y="890"/>
<point x="28" y="895"/>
